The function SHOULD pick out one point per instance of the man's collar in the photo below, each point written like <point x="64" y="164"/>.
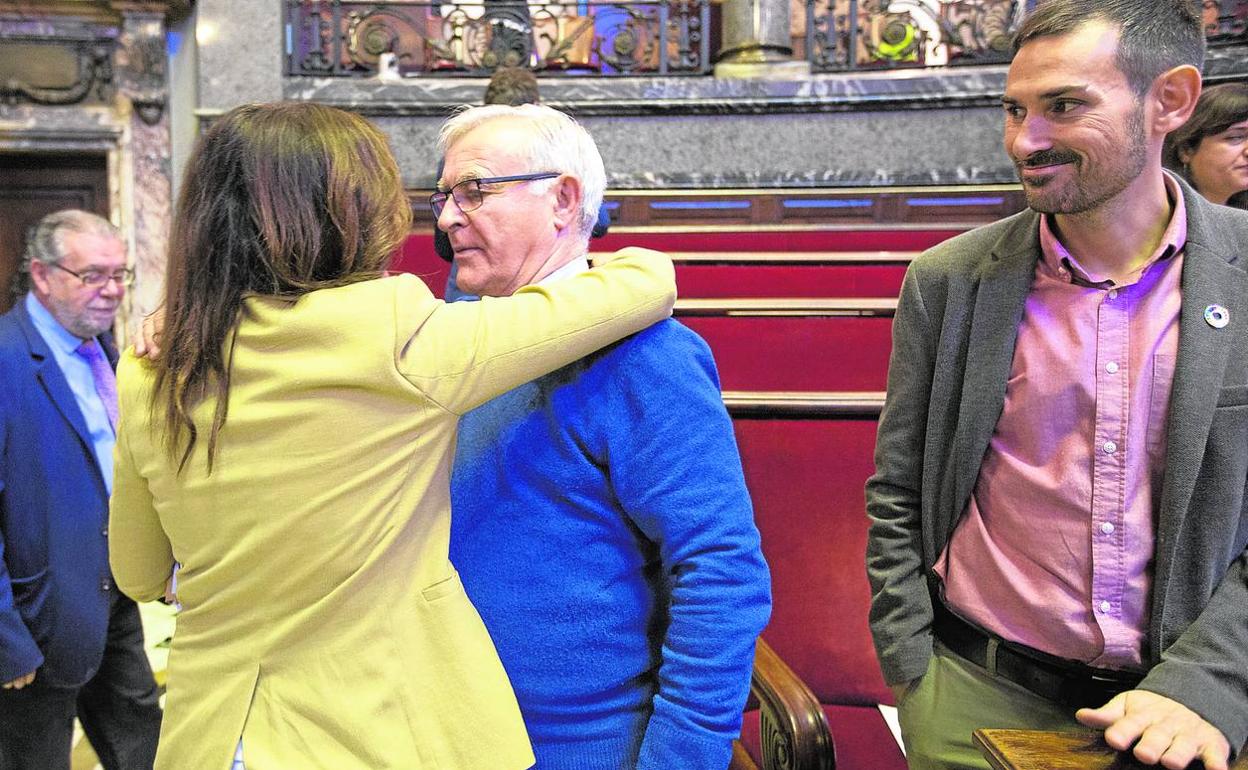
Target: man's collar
<point x="1057" y="258"/>
<point x="578" y="265"/>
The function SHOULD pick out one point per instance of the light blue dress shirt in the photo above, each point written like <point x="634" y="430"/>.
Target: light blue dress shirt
<point x="77" y="373"/>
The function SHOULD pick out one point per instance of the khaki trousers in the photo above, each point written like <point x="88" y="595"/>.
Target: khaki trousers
<point x="954" y="698"/>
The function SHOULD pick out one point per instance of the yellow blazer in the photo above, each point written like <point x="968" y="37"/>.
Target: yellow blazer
<point x="322" y="620"/>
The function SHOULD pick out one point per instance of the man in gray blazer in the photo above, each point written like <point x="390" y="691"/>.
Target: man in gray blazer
<point x="1058" y="513"/>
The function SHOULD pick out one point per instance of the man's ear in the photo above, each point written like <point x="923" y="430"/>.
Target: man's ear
<point x="39" y="278"/>
<point x="568" y="197"/>
<point x="1174" y="94"/>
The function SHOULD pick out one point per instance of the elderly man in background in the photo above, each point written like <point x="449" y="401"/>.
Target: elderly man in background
<point x="600" y="520"/>
<point x="1063" y="450"/>
<point x="70" y="643"/>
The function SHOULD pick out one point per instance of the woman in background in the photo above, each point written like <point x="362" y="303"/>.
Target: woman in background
<point x="1211" y="149"/>
<point x="290" y="447"/>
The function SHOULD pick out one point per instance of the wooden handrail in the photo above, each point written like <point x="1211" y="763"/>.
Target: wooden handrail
<point x="804" y="403"/>
<point x="788" y="306"/>
<point x="794" y="730"/>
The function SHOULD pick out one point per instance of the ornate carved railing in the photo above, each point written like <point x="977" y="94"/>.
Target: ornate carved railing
<point x="927" y="33"/>
<point x="593" y="37"/>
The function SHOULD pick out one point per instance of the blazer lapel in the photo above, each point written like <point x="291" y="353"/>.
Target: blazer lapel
<point x="1199" y="372"/>
<point x="53" y="381"/>
<point x="1000" y="298"/>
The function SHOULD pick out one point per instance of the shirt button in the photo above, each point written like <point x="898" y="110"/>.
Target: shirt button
<point x="1107" y="527"/>
<point x="1105" y="607"/>
<point x="1113" y="294"/>
<point x="1112" y="367"/>
<point x="1109" y="447"/>
<point x="105" y="586"/>
<point x="104" y="532"/>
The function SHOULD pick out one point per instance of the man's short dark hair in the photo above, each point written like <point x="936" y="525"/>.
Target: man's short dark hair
<point x="512" y="86"/>
<point x="1154" y="35"/>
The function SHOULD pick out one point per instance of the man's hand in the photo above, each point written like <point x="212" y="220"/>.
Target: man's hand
<point x="147" y="341"/>
<point x="1167" y="731"/>
<point x="20" y="682"/>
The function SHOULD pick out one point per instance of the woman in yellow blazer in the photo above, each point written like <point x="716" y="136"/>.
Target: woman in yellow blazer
<point x="290" y="448"/>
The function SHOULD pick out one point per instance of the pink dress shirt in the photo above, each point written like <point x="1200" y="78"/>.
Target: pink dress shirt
<point x="1055" y="547"/>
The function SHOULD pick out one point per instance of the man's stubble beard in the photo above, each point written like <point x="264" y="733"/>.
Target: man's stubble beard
<point x="1082" y="195"/>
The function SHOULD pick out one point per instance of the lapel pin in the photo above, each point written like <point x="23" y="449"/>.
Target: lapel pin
<point x="1217" y="316"/>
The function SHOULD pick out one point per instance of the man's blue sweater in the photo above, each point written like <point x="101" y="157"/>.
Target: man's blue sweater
<point x="602" y="528"/>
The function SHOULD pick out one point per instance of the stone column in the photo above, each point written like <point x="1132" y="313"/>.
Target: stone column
<point x="756" y="41"/>
<point x="143" y="97"/>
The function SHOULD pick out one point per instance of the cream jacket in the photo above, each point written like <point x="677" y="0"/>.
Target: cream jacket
<point x="322" y="620"/>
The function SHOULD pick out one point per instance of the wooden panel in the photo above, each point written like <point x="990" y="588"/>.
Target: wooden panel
<point x="32" y="186"/>
<point x="962" y="206"/>
<point x="798" y="353"/>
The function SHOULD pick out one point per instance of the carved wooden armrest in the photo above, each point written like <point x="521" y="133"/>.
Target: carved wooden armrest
<point x="795" y="734"/>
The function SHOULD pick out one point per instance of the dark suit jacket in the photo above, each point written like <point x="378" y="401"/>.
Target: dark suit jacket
<point x="55" y="585"/>
<point x="953" y="345"/>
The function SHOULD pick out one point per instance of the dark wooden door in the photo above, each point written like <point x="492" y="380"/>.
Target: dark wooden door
<point x="32" y="185"/>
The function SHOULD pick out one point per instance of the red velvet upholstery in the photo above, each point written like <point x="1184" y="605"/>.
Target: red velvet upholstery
<point x="777" y="240"/>
<point x="720" y="280"/>
<point x="809" y="353"/>
<point x="417" y="256"/>
<point x="806" y="477"/>
<point x="852" y="280"/>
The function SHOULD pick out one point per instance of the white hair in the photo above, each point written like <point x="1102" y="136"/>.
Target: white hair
<point x="558" y="143"/>
<point x="45" y="241"/>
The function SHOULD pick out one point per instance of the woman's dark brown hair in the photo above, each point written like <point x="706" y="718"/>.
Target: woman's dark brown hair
<point x="278" y="200"/>
<point x="1218" y="108"/>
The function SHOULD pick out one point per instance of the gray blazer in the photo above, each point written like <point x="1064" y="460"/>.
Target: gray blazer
<point x="953" y="346"/>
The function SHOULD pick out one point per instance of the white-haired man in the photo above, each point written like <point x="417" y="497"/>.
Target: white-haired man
<point x="601" y="523"/>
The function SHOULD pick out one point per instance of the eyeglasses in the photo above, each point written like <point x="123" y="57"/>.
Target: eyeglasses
<point x="469" y="196"/>
<point x="94" y="279"/>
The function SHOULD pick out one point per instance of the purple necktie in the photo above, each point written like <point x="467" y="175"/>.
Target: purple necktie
<point x="105" y="380"/>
